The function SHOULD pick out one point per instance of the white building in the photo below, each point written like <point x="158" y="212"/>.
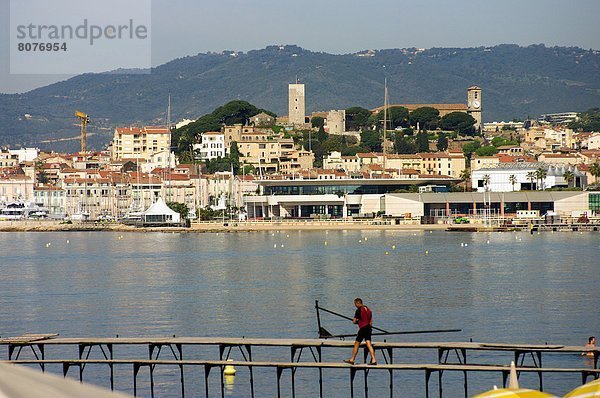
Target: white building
<point x="212" y="146"/>
<point x="25" y="154"/>
<point x="499" y="177"/>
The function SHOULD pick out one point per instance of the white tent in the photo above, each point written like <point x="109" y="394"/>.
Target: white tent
<point x="160" y="213"/>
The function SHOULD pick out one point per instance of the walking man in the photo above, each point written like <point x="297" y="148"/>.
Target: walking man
<point x="364" y="318"/>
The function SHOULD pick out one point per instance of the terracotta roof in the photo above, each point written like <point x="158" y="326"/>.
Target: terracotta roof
<point x="366" y="155"/>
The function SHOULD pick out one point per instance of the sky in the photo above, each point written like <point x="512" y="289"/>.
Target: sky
<point x="186" y="27"/>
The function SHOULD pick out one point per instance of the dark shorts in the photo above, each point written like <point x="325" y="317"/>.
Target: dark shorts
<point x="364" y="334"/>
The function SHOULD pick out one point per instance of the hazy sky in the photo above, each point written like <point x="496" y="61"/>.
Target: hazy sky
<point x="187" y="27"/>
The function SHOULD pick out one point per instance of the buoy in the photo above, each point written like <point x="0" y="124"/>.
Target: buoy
<point x="49" y="244"/>
<point x="466" y="244"/>
<point x="462" y="244"/>
<point x="366" y="238"/>
<point x="393" y="247"/>
<point x="275" y="246"/>
<point x="282" y="246"/>
<point x="67" y="240"/>
<point x="430" y="232"/>
<point x="325" y="243"/>
<point x="426" y="251"/>
<point x="360" y="241"/>
<point x="488" y="242"/>
<point x="287" y="236"/>
<point x="386" y="253"/>
<point x="229" y="369"/>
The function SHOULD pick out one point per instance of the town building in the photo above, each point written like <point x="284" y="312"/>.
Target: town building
<point x="139" y="143"/>
<point x="52" y="198"/>
<point x="508" y="177"/>
<point x="211" y="146"/>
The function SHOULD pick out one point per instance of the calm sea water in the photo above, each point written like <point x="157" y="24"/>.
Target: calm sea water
<point x="497" y="287"/>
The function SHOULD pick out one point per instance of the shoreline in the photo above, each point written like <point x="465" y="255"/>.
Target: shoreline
<point x="57" y="226"/>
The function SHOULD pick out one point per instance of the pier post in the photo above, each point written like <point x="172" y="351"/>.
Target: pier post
<point x="352" y="374"/>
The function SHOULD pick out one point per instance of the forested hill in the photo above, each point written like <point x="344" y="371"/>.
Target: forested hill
<point x="517" y="82"/>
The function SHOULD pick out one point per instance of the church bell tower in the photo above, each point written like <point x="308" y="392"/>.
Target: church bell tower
<point x="474" y="105"/>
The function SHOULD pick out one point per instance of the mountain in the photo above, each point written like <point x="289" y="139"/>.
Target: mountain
<point x="517" y="82"/>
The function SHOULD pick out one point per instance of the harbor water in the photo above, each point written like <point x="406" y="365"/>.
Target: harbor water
<point x="496" y="287"/>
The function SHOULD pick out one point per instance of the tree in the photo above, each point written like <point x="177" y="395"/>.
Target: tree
<point x="321" y="135"/>
<point x="595" y="169"/>
<point x="569" y="176"/>
<point x="469" y="148"/>
<point x="371" y="139"/>
<point x="513" y="180"/>
<point x="486" y="182"/>
<point x="541" y="174"/>
<point x="357" y="118"/>
<point x="397" y="116"/>
<point x="426" y="117"/>
<point x="422" y="141"/>
<point x="234" y="157"/>
<point x="180" y="208"/>
<point x="531" y="176"/>
<point x="460" y="122"/>
<point x="465" y="176"/>
<point x="442" y="142"/>
<point x="500" y="141"/>
<point x="317" y="121"/>
<point x="488" y="150"/>
<point x="403" y="145"/>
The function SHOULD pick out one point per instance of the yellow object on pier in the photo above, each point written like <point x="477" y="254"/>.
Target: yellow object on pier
<point x="229" y="369"/>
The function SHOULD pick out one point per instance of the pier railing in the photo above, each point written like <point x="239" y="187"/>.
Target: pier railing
<point x="452" y="357"/>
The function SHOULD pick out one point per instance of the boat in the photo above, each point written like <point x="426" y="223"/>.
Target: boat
<point x="23" y="211"/>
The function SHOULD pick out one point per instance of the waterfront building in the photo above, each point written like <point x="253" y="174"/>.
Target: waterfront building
<point x="336" y="196"/>
<point x="345" y="198"/>
<point x="497" y="178"/>
<point x="52" y="198"/>
<point x="139" y="143"/>
<point x="15" y="187"/>
<point x="8" y="159"/>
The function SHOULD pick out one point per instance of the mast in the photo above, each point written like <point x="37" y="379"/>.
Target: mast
<point x="385" y="97"/>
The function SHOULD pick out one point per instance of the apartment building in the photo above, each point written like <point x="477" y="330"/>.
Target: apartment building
<point x="139" y="143"/>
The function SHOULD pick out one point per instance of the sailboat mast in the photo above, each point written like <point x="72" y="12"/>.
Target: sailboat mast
<point x="385" y="96"/>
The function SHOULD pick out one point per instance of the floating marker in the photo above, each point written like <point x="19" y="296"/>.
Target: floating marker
<point x="360" y="241"/>
<point x="67" y="240"/>
<point x="462" y="244"/>
<point x="229" y="369"/>
<point x="393" y="247"/>
<point x="275" y="246"/>
<point x="287" y="236"/>
<point x="466" y="244"/>
<point x="488" y="242"/>
<point x="386" y="253"/>
<point x="426" y="251"/>
<point x="366" y="238"/>
<point x="325" y="243"/>
<point x="282" y="246"/>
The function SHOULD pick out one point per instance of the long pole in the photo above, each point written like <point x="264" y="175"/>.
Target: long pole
<point x="384" y="120"/>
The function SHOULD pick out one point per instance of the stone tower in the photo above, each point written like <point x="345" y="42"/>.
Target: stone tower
<point x="474" y="105"/>
<point x="296" y="111"/>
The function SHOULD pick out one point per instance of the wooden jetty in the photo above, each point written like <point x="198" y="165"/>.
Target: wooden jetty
<point x="452" y="357"/>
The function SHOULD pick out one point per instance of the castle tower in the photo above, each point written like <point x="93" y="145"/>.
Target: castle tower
<point x="474" y="105"/>
<point x="296" y="111"/>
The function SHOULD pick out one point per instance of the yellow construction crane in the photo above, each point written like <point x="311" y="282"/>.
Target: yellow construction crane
<point x="85" y="119"/>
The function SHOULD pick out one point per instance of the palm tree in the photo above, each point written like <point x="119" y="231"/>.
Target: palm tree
<point x="595" y="170"/>
<point x="541" y="174"/>
<point x="465" y="175"/>
<point x="569" y="176"/>
<point x="486" y="182"/>
<point x="513" y="180"/>
<point x="531" y="176"/>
